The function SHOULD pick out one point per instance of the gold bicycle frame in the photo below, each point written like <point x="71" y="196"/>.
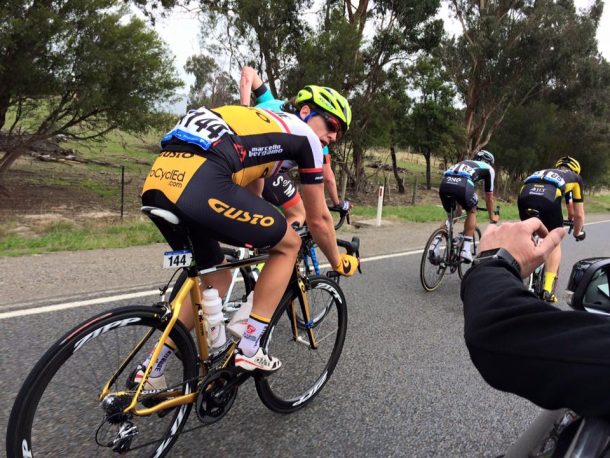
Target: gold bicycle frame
<point x="191" y="287"/>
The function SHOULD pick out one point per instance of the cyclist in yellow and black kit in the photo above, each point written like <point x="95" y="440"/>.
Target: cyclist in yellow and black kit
<point x="543" y="191"/>
<point x="200" y="175"/>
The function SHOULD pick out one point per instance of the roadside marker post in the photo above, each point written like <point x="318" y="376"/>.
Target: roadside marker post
<point x="379" y="205"/>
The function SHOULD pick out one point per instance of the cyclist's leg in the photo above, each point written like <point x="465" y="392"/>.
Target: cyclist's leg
<point x="546" y="201"/>
<point x="240" y="218"/>
<point x="446" y="193"/>
<point x="552" y="218"/>
<point x="469" y="202"/>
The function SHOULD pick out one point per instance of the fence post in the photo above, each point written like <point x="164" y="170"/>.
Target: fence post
<point x="385" y="187"/>
<point x="379" y="206"/>
<point x="122" y="189"/>
<point x="414" y="191"/>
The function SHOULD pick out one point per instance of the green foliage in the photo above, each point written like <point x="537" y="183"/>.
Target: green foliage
<point x="431" y="124"/>
<point x="427" y="213"/>
<point x="213" y="87"/>
<point x="512" y="51"/>
<point x="64" y="236"/>
<point x="534" y="136"/>
<point x="77" y="69"/>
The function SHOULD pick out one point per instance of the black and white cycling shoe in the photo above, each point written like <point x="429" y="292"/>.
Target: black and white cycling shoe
<point x="152" y="383"/>
<point x="466" y="256"/>
<point x="259" y="361"/>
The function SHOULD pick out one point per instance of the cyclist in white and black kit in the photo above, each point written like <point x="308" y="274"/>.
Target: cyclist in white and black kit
<point x="458" y="187"/>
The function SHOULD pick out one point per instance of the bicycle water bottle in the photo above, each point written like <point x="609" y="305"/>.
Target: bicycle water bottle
<point x="237" y="325"/>
<point x="214" y="319"/>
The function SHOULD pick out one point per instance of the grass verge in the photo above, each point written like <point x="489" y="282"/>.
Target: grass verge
<point x="427" y="212"/>
<point x="71" y="236"/>
<point x="68" y="236"/>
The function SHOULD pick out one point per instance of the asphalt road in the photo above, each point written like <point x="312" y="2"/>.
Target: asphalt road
<point x="404" y="385"/>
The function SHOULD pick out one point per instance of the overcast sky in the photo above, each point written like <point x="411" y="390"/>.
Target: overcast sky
<point x="180" y="31"/>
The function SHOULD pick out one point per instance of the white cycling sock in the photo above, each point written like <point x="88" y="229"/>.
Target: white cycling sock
<point x="164" y="355"/>
<point x="250" y="340"/>
<point x="467" y="243"/>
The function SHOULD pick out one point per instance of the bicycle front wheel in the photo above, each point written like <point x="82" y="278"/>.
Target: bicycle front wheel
<point x="304" y="370"/>
<point x="474" y="249"/>
<point x="58" y="411"/>
<point x="434" y="262"/>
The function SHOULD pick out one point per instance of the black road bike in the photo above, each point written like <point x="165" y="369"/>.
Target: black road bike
<point x="446" y="255"/>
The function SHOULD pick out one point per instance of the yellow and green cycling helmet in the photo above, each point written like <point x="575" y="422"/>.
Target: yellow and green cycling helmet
<point x="569" y="162"/>
<point x="328" y="100"/>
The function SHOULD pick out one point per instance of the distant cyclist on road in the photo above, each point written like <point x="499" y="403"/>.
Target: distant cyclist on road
<point x="458" y="187"/>
<point x="279" y="189"/>
<point x="542" y="192"/>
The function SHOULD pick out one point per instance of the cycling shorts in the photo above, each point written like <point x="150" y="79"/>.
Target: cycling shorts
<point x="458" y="189"/>
<point x="545" y="198"/>
<point x="199" y="189"/>
<point x="281" y="191"/>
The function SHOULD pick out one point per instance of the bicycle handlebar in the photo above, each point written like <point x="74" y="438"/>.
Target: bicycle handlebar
<point x="496" y="211"/>
<point x="344" y="216"/>
<point x="352" y="248"/>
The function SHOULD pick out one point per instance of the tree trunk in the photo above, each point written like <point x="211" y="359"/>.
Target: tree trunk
<point x="359" y="167"/>
<point x="427" y="154"/>
<point x="399" y="182"/>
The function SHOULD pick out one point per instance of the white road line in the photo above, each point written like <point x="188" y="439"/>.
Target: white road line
<point x="121" y="297"/>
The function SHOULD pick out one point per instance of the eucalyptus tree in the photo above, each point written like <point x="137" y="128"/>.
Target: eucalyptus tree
<point x="512" y="51"/>
<point x="213" y="86"/>
<point x="79" y="69"/>
<point x="431" y="122"/>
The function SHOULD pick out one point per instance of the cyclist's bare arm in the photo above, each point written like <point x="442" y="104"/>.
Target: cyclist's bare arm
<point x="579" y="217"/>
<point x="249" y="82"/>
<point x="330" y="183"/>
<point x="320" y="221"/>
<point x="489" y="201"/>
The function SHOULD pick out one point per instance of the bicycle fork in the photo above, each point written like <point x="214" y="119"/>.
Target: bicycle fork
<point x="302" y="297"/>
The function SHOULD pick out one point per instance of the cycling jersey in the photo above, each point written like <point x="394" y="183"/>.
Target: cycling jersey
<point x="474" y="171"/>
<point x="207" y="159"/>
<point x="266" y="101"/>
<point x="458" y="183"/>
<point x="543" y="190"/>
<point x="281" y="191"/>
<point x="264" y="140"/>
<point x="565" y="181"/>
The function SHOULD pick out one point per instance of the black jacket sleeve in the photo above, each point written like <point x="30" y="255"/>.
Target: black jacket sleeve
<point x="525" y="346"/>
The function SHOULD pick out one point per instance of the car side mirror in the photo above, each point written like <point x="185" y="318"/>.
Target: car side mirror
<point x="589" y="285"/>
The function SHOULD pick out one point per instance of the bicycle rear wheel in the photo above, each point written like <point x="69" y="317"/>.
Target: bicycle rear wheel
<point x="432" y="267"/>
<point x="462" y="266"/>
<point x="305" y="370"/>
<point x="58" y="411"/>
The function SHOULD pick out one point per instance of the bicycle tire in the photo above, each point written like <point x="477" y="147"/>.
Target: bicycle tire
<point x="297" y="383"/>
<point x="46" y="421"/>
<point x="435" y="272"/>
<point x="462" y="266"/>
<point x="237" y="294"/>
<point x="538" y="281"/>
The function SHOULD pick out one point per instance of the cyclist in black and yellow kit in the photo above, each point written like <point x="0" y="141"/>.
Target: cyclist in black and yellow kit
<point x="200" y="175"/>
<point x="543" y="191"/>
